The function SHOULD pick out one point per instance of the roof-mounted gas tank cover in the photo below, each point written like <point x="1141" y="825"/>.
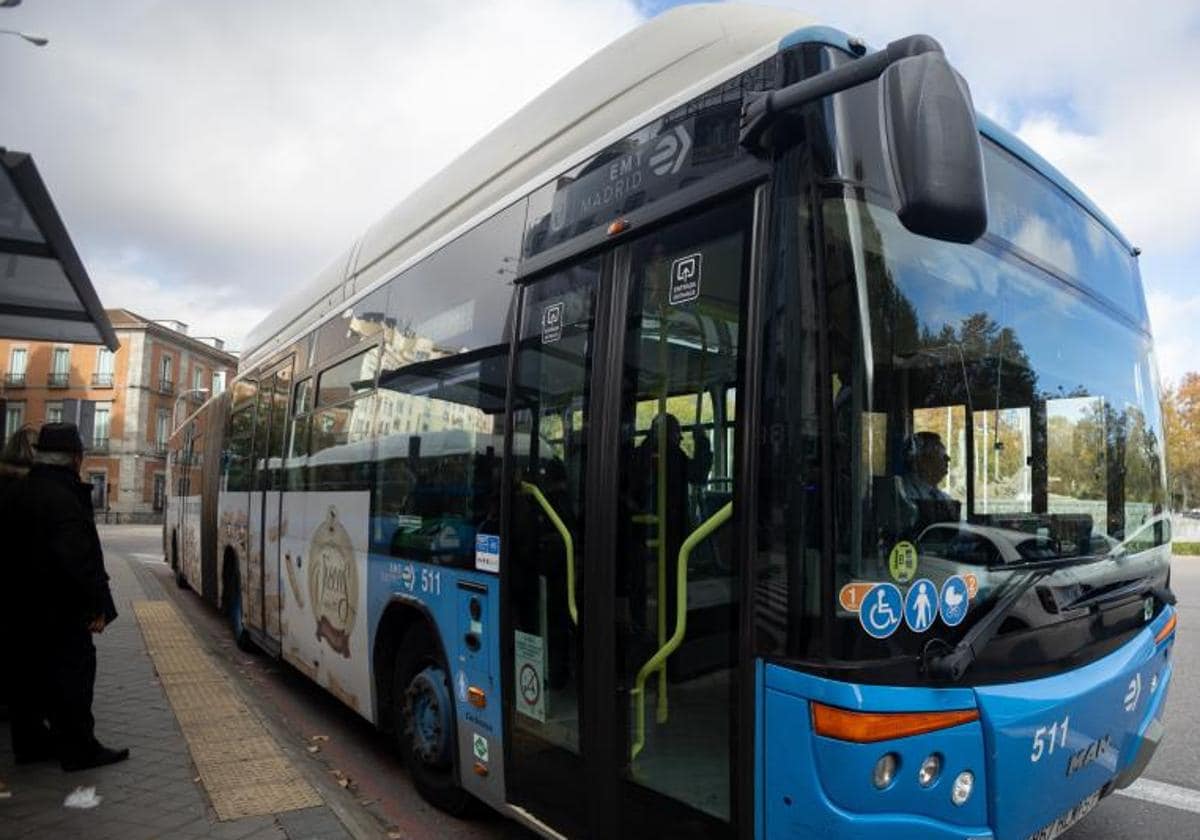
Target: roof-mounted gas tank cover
<point x="930" y="139"/>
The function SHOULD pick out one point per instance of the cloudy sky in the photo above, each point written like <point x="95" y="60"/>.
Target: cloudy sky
<point x="206" y="157"/>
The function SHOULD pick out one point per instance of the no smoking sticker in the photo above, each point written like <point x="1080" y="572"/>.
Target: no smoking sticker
<point x="530" y="659"/>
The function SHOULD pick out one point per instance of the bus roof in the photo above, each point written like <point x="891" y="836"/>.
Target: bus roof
<point x="667" y="61"/>
<point x="674" y="57"/>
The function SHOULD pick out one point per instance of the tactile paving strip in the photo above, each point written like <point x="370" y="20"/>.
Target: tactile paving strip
<point x="240" y="765"/>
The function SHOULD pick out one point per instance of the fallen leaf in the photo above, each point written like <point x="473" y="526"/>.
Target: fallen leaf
<point x="395" y="835"/>
<point x="318" y="737"/>
<point x="313" y="749"/>
<point x="344" y="782"/>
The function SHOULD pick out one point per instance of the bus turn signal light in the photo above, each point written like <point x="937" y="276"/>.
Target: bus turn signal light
<point x="476" y="697"/>
<point x="869" y="727"/>
<point x="1167" y="629"/>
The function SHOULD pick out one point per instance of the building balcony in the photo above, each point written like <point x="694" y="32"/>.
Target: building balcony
<point x="58" y="380"/>
<point x="102" y="380"/>
<point x="99" y="446"/>
<point x="160" y="448"/>
<point x="14" y="380"/>
<point x="166" y="386"/>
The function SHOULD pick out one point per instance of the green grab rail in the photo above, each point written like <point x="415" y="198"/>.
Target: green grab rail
<point x="659" y="660"/>
<point x="568" y="544"/>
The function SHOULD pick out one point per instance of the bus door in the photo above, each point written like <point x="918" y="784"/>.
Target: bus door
<point x="624" y="654"/>
<point x="677" y="595"/>
<point x="270" y="417"/>
<point x="551" y="413"/>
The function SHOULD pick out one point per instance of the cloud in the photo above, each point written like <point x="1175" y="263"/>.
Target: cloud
<point x="223" y="153"/>
<point x="242" y="146"/>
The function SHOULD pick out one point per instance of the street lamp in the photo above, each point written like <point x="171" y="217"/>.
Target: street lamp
<point x="36" y="40"/>
<point x="175" y="408"/>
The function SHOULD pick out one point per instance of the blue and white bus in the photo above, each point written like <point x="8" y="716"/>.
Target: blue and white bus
<point x="742" y="439"/>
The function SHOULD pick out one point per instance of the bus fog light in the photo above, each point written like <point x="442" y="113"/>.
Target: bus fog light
<point x="885" y="770"/>
<point x="931" y="768"/>
<point x="963" y="785"/>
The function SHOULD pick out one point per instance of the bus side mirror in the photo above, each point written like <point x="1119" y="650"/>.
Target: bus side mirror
<point x="931" y="145"/>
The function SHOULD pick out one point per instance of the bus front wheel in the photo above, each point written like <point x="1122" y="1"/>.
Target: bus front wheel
<point x="424" y="709"/>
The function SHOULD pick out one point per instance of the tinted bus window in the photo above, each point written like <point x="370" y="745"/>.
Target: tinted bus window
<point x="358" y="322"/>
<point x="441" y="398"/>
<point x="348" y="379"/>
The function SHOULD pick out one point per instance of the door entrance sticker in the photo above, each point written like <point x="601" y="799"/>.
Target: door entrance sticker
<point x="921" y="605"/>
<point x="882" y="610"/>
<point x="487" y="552"/>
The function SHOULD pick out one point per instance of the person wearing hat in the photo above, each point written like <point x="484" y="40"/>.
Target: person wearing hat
<point x="57" y="593"/>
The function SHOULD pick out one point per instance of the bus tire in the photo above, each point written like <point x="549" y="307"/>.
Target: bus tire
<point x="233" y="611"/>
<point x="424" y="721"/>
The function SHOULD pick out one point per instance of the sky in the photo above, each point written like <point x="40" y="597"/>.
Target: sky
<point x="209" y="157"/>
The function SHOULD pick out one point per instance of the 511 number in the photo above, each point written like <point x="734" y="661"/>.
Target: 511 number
<point x="1046" y="736"/>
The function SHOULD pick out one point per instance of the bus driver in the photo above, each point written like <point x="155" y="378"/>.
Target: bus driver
<point x="926" y="465"/>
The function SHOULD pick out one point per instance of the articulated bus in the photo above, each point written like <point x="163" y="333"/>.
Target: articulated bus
<point x="745" y="438"/>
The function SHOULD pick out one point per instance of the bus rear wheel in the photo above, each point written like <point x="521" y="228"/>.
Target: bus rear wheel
<point x="424" y="722"/>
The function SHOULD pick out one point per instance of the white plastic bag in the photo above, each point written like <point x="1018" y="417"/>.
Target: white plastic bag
<point x="82" y="797"/>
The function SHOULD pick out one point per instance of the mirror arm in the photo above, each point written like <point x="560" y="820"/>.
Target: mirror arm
<point x="761" y="108"/>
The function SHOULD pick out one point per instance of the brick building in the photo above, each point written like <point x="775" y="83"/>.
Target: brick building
<point x="138" y="391"/>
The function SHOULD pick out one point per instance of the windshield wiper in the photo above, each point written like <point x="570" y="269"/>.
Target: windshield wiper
<point x="954" y="663"/>
<point x="1138" y="589"/>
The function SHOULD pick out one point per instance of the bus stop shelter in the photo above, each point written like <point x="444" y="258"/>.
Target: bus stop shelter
<point x="45" y="292"/>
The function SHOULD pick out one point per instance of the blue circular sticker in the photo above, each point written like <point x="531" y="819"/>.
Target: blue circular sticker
<point x="921" y="605"/>
<point x="882" y="610"/>
<point x="955" y="600"/>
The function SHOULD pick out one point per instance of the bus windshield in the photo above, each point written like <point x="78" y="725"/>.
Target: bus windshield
<point x="988" y="416"/>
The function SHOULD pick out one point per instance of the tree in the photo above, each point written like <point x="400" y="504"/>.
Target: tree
<point x="1181" y="416"/>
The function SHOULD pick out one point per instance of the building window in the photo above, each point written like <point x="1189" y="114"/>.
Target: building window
<point x="218" y="382"/>
<point x="166" y="377"/>
<point x="100" y="429"/>
<point x="162" y="430"/>
<point x="14" y="417"/>
<point x="15" y="378"/>
<point x="60" y="367"/>
<point x="103" y="377"/>
<point x="198" y="378"/>
<point x="160" y="491"/>
<point x="54" y="412"/>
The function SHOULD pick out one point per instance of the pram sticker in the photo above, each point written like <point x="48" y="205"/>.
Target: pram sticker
<point x="955" y="600"/>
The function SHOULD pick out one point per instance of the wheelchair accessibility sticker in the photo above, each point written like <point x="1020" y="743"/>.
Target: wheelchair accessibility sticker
<point x="882" y="610"/>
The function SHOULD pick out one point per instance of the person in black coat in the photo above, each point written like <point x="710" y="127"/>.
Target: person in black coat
<point x="57" y="594"/>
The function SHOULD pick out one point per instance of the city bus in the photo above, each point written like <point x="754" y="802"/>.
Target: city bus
<point x="746" y="438"/>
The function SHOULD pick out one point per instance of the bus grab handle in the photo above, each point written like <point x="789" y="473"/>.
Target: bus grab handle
<point x="659" y="659"/>
<point x="568" y="544"/>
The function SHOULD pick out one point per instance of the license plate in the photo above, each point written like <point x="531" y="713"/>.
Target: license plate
<point x="1066" y="820"/>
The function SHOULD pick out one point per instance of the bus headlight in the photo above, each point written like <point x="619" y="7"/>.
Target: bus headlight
<point x="885" y="770"/>
<point x="931" y="768"/>
<point x="963" y="784"/>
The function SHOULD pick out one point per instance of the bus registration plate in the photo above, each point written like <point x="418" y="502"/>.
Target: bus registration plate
<point x="1065" y="821"/>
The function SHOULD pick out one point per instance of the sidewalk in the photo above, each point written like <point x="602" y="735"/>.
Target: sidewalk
<point x="157" y="792"/>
